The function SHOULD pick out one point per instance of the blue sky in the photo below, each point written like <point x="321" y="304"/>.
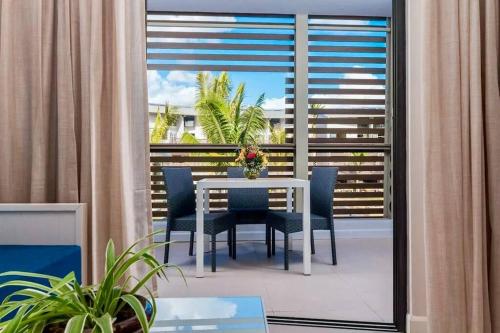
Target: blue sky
<point x="177" y="87"/>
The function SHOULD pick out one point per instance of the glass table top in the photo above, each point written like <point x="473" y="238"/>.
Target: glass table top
<point x="210" y="314"/>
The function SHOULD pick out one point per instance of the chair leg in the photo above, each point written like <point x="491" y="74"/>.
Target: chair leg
<point x="213" y="252"/>
<point x="273" y="241"/>
<point x="234" y="242"/>
<point x="267" y="234"/>
<point x="313" y="249"/>
<point x="230" y="241"/>
<point x="268" y="240"/>
<point x="167" y="246"/>
<point x="286" y="251"/>
<point x="334" y="251"/>
<point x="191" y="242"/>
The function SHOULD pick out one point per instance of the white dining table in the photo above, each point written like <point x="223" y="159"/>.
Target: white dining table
<point x="204" y="186"/>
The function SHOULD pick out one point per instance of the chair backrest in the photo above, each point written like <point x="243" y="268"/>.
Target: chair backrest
<point x="323" y="180"/>
<point x="246" y="199"/>
<point x="181" y="199"/>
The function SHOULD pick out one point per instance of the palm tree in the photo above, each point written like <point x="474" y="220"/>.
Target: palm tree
<point x="222" y="117"/>
<point x="278" y="135"/>
<point x="163" y="122"/>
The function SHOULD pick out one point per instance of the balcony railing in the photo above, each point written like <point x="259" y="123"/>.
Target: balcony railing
<point x="359" y="191"/>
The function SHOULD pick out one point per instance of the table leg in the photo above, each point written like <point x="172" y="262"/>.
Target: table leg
<point x="199" y="231"/>
<point x="306" y="220"/>
<point x="206" y="209"/>
<point x="289" y="209"/>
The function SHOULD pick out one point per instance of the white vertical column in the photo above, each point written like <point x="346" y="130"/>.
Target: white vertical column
<point x="206" y="210"/>
<point x="289" y="209"/>
<point x="199" y="230"/>
<point x="301" y="101"/>
<point x="306" y="224"/>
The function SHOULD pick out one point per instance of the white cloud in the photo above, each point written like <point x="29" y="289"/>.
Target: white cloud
<point x="355" y="86"/>
<point x="154" y="26"/>
<point x="181" y="77"/>
<point x="161" y="90"/>
<point x="274" y="103"/>
<point x="366" y="76"/>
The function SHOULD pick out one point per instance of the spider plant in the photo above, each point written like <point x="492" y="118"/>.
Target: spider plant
<point x="64" y="303"/>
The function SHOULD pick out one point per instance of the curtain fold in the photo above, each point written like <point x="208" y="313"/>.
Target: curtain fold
<point x="73" y="113"/>
<point x="461" y="110"/>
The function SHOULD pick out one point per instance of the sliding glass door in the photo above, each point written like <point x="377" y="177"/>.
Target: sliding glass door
<point x="315" y="91"/>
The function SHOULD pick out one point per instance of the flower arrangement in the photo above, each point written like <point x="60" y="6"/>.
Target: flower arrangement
<point x="253" y="160"/>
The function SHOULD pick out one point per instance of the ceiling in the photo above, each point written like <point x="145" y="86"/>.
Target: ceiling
<point x="313" y="7"/>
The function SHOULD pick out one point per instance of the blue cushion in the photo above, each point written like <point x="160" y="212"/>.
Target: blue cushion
<point x="57" y="260"/>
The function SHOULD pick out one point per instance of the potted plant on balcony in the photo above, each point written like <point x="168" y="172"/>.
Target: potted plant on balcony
<point x="63" y="305"/>
<point x="253" y="160"/>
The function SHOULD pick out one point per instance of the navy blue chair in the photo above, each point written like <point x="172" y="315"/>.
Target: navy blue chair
<point x="246" y="206"/>
<point x="323" y="180"/>
<point x="181" y="202"/>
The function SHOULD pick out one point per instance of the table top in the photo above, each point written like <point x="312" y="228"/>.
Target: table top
<point x="251" y="183"/>
<point x="210" y="314"/>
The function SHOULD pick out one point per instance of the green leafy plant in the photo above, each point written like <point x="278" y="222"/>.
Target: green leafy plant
<point x="65" y="304"/>
<point x="278" y="135"/>
<point x="163" y="122"/>
<point x="223" y="118"/>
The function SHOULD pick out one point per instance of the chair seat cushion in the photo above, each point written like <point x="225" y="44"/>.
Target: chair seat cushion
<point x="213" y="222"/>
<point x="57" y="260"/>
<point x="292" y="222"/>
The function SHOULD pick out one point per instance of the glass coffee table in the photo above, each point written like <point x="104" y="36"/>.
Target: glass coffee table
<point x="211" y="315"/>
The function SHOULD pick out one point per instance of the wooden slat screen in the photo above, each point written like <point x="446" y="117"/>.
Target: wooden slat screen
<point x="240" y="43"/>
<point x="359" y="189"/>
<point x="217" y="42"/>
<point x="212" y="161"/>
<point x="347" y="80"/>
<point x="348" y="106"/>
<point x="360" y="183"/>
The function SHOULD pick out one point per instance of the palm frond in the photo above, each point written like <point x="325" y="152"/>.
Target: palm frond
<point x="278" y="135"/>
<point x="214" y="119"/>
<point x="201" y="85"/>
<point x="260" y="100"/>
<point x="188" y="138"/>
<point x="237" y="101"/>
<point x="163" y="122"/>
<point x="253" y="124"/>
<point x="221" y="86"/>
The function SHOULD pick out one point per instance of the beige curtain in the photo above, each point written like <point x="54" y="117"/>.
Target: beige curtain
<point x="73" y="113"/>
<point x="461" y="108"/>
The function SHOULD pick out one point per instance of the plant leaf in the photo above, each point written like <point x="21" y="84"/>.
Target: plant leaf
<point x="136" y="305"/>
<point x="152" y="300"/>
<point x="25" y="284"/>
<point x="110" y="255"/>
<point x="105" y="323"/>
<point x="76" y="324"/>
<point x="29" y="274"/>
<point x="38" y="327"/>
<point x="147" y="277"/>
<point x="14" y="324"/>
<point x="190" y="139"/>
